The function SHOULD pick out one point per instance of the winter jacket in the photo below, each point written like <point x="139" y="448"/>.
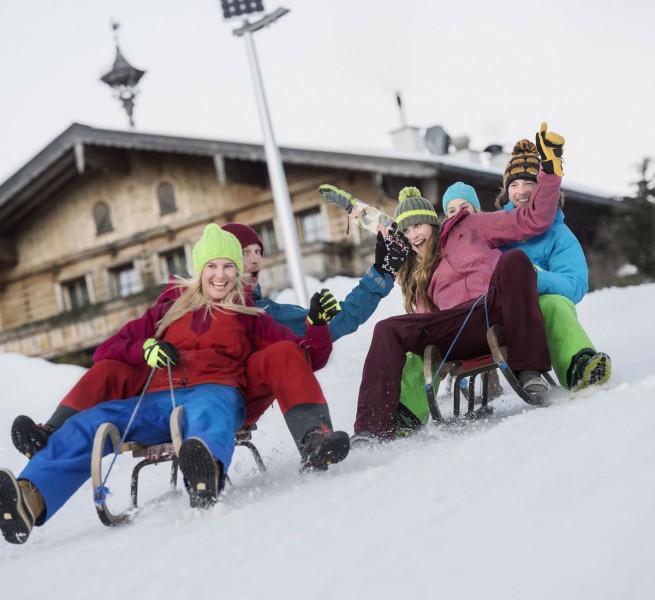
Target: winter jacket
<point x="356" y="308"/>
<point x="470" y="244"/>
<point x="558" y="258"/>
<point x="213" y="348"/>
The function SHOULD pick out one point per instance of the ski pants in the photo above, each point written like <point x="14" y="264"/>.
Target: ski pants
<point x="511" y="300"/>
<point x="282" y="370"/>
<point x="566" y="336"/>
<point x="212" y="412"/>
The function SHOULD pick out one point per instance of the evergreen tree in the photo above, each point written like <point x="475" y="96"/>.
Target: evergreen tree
<point x="637" y="225"/>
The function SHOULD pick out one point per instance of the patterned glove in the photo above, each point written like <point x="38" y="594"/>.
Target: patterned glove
<point x="157" y="353"/>
<point x="391" y="251"/>
<point x="551" y="147"/>
<point x="323" y="307"/>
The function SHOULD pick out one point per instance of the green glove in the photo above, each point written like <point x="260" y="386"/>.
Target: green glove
<point x="157" y="353"/>
<point x="323" y="307"/>
<point x="551" y="147"/>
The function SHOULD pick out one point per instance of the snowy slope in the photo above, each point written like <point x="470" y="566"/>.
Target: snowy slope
<point x="537" y="503"/>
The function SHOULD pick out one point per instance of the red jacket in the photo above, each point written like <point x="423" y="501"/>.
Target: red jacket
<point x="212" y="349"/>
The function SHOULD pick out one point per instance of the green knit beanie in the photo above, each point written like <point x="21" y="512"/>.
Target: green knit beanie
<point x="216" y="243"/>
<point x="413" y="210"/>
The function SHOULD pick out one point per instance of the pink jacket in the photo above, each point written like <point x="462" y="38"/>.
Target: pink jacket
<point x="469" y="244"/>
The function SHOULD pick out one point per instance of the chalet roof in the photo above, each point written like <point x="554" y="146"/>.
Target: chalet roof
<point x="81" y="147"/>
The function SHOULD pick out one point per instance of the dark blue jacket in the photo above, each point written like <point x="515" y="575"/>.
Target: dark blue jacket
<point x="356" y="308"/>
<point x="558" y="258"/>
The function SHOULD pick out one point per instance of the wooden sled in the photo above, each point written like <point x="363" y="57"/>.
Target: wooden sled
<point x="469" y="369"/>
<point x="149" y="455"/>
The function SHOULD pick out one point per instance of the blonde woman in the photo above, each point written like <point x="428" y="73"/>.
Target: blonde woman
<point x="206" y="335"/>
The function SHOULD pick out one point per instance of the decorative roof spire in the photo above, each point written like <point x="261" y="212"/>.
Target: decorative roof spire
<point x="123" y="78"/>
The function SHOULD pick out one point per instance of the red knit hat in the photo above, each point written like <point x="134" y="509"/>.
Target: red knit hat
<point x="246" y="235"/>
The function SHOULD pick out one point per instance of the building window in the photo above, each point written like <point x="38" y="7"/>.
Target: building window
<point x="126" y="281"/>
<point x="266" y="232"/>
<point x="166" y="197"/>
<point x="76" y="293"/>
<point x="102" y="218"/>
<point x="174" y="263"/>
<point x="311" y="225"/>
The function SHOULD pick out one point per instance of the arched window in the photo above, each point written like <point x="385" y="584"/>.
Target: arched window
<point x="102" y="218"/>
<point x="166" y="197"/>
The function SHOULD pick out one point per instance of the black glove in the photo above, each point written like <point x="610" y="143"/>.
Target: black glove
<point x="391" y="251"/>
<point x="323" y="307"/>
<point x="551" y="147"/>
<point x="157" y="353"/>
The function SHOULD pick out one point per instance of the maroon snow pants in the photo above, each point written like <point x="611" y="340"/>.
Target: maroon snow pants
<point x="512" y="301"/>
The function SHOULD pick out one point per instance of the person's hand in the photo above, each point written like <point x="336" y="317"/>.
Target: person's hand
<point x="157" y="353"/>
<point x="323" y="307"/>
<point x="551" y="147"/>
<point x="391" y="251"/>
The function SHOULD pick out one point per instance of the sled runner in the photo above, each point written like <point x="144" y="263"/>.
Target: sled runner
<point x="150" y="455"/>
<point x="468" y="370"/>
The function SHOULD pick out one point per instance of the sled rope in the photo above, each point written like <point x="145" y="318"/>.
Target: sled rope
<point x="445" y="358"/>
<point x="502" y="365"/>
<point x="102" y="491"/>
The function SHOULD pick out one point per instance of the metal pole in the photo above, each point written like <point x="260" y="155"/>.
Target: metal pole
<point x="279" y="185"/>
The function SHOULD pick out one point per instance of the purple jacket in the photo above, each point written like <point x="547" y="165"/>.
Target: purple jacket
<point x="469" y="244"/>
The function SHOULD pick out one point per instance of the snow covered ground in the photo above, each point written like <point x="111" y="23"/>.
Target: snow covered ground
<point x="552" y="503"/>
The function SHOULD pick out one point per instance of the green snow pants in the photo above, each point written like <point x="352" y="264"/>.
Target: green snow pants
<point x="564" y="334"/>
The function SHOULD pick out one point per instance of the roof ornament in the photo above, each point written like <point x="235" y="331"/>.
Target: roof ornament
<point x="123" y="78"/>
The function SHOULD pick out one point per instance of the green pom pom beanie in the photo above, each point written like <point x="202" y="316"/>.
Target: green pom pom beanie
<point x="413" y="209"/>
<point x="216" y="243"/>
<point x="463" y="191"/>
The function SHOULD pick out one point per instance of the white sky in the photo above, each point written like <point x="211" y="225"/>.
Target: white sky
<point x="489" y="70"/>
<point x="535" y="504"/>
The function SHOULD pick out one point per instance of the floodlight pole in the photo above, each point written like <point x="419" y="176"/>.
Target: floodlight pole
<point x="279" y="185"/>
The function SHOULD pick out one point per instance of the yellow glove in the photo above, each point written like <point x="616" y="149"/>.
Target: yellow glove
<point x="551" y="147"/>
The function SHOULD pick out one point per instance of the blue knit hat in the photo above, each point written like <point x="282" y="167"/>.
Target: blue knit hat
<point x="216" y="243"/>
<point x="463" y="191"/>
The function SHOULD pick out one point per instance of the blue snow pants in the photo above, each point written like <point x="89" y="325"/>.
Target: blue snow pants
<point x="212" y="412"/>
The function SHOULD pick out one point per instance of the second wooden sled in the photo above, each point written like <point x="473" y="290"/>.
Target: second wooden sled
<point x="149" y="455"/>
<point x="469" y="369"/>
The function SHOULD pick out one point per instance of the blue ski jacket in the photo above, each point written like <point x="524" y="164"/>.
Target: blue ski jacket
<point x="356" y="308"/>
<point x="558" y="259"/>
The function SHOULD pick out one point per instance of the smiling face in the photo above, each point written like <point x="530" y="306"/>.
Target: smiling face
<point x="519" y="191"/>
<point x="456" y="204"/>
<point x="418" y="235"/>
<point x="252" y="263"/>
<point x="218" y="278"/>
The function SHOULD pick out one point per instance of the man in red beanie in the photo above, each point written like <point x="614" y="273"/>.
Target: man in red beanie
<point x="110" y="379"/>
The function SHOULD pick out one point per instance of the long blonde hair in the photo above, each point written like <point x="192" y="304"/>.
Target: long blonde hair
<point x="192" y="299"/>
<point x="416" y="272"/>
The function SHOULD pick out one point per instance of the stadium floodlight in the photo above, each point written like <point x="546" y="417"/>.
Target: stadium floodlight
<point x="279" y="186"/>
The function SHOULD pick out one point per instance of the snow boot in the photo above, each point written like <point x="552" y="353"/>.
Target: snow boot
<point x="202" y="473"/>
<point x="365" y="439"/>
<point x="321" y="447"/>
<point x="533" y="384"/>
<point x="589" y="368"/>
<point x="20" y="505"/>
<point x="28" y="437"/>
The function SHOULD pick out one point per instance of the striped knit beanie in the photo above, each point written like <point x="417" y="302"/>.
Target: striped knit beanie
<point x="524" y="163"/>
<point x="216" y="243"/>
<point x="413" y="210"/>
